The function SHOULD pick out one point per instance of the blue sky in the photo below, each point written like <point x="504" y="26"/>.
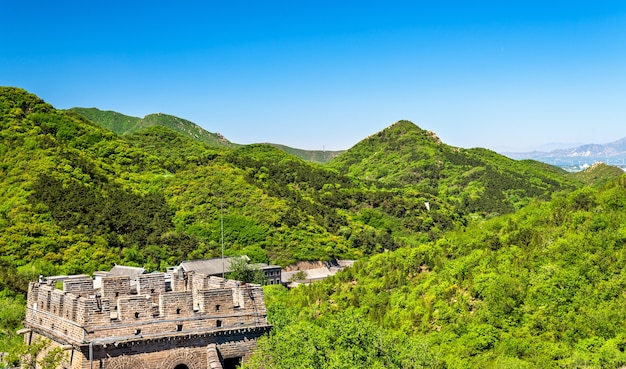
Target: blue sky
<point x="506" y="75"/>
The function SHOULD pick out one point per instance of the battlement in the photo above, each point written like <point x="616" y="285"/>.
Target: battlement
<point x="120" y="309"/>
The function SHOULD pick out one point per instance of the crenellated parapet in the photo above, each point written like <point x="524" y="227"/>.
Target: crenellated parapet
<point x="151" y="313"/>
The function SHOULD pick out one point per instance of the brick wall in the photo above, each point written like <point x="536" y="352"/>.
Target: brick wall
<point x="151" y="284"/>
<point x="146" y="328"/>
<point x="113" y="287"/>
<point x="80" y="286"/>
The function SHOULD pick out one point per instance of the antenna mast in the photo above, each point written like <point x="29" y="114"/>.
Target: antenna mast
<point x="222" y="231"/>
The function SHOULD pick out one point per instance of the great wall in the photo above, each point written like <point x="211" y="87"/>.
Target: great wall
<point x="158" y="320"/>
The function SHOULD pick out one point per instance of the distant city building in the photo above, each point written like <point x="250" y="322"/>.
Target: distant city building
<point x="127" y="319"/>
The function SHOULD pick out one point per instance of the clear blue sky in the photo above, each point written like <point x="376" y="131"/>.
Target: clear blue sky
<point x="326" y="74"/>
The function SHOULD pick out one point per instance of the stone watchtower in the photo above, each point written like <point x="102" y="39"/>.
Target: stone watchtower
<point x="168" y="321"/>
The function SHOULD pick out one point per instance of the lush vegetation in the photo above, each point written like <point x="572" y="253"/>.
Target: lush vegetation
<point x="464" y="261"/>
<point x="540" y="288"/>
<point x="114" y="121"/>
<point x="598" y="174"/>
<point x="124" y="124"/>
<point x="249" y="273"/>
<point x="76" y="198"/>
<point x="474" y="181"/>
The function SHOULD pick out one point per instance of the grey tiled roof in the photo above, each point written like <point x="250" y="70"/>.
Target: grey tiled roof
<point x="207" y="266"/>
<point x="132" y="272"/>
<point x="264" y="266"/>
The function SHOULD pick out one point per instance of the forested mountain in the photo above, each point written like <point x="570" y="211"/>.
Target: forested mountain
<point x="598" y="174"/>
<point x="154" y="196"/>
<point x="473" y="180"/>
<point x="76" y="197"/>
<point x="541" y="288"/>
<point x="124" y="124"/>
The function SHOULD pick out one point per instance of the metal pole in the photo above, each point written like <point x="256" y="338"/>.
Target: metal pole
<point x="222" y="230"/>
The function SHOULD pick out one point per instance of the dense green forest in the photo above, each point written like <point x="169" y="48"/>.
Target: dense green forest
<point x="433" y="226"/>
<point x="541" y="288"/>
<point x="474" y="180"/>
<point x="125" y="124"/>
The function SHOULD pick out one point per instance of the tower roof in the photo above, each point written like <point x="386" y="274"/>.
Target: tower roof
<point x="209" y="266"/>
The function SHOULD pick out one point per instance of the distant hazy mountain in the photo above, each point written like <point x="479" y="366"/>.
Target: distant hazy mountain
<point x="551" y="146"/>
<point x="616" y="148"/>
<point x="581" y="157"/>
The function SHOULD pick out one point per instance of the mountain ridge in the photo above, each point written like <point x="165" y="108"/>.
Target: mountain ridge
<point x="72" y="164"/>
<point x="405" y="155"/>
<point x="579" y="157"/>
<point x="125" y="124"/>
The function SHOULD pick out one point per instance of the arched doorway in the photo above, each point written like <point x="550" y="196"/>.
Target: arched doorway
<point x="232" y="363"/>
<point x="182" y="359"/>
<point x="124" y="362"/>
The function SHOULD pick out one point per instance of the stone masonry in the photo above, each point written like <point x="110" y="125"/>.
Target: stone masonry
<point x="193" y="321"/>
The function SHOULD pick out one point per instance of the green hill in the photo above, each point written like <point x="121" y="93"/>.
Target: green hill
<point x="148" y="198"/>
<point x="598" y="174"/>
<point x="64" y="174"/>
<point x="541" y="288"/>
<point x="77" y="198"/>
<point x="123" y="124"/>
<point x="473" y="180"/>
<point x="114" y="121"/>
